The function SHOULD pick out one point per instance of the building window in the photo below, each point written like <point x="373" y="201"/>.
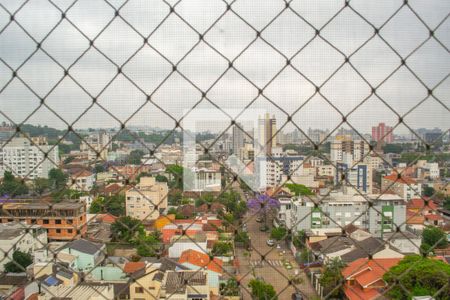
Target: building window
<point x="58" y="230"/>
<point x="139" y="290"/>
<point x="45" y="221"/>
<point x="57" y="221"/>
<point x="69" y="230"/>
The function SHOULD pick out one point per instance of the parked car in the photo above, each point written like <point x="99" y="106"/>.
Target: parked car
<point x="297" y="296"/>
<point x="258" y="219"/>
<point x="264" y="228"/>
<point x="270" y="243"/>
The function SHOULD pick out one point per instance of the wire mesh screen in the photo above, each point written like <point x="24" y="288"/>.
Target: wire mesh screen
<point x="224" y="149"/>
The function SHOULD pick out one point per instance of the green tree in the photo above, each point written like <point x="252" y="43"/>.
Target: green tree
<point x="428" y="191"/>
<point x="433" y="237"/>
<point x="135" y="156"/>
<point x="161" y="178"/>
<point x="176" y="176"/>
<point x="262" y="290"/>
<point x="127" y="229"/>
<point x="278" y="233"/>
<point x="114" y="205"/>
<point x="332" y="279"/>
<point x="229" y="288"/>
<point x="299" y="239"/>
<point x="40" y="185"/>
<point x="420" y="276"/>
<point x="12" y="186"/>
<point x="174" y="211"/>
<point x="222" y="249"/>
<point x="20" y="262"/>
<point x="148" y="245"/>
<point x="299" y="189"/>
<point x="57" y="178"/>
<point x="447" y="203"/>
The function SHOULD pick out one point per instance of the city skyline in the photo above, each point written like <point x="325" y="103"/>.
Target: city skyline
<point x="238" y="87"/>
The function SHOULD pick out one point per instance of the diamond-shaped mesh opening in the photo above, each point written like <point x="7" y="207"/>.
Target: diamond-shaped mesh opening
<point x="224" y="149"/>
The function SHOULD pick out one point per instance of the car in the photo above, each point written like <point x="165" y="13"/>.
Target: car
<point x="258" y="219"/>
<point x="264" y="228"/>
<point x="297" y="296"/>
<point x="270" y="243"/>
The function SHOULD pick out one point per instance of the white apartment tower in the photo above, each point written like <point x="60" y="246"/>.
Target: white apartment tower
<point x="27" y="159"/>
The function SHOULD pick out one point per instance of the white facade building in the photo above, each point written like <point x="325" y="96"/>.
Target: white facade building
<point x="25" y="159"/>
<point x="22" y="237"/>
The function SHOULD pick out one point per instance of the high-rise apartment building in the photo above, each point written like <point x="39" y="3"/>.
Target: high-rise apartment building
<point x="31" y="159"/>
<point x="99" y="142"/>
<point x="238" y="140"/>
<point x="147" y="199"/>
<point x="266" y="138"/>
<point x="382" y="133"/>
<point x="345" y="148"/>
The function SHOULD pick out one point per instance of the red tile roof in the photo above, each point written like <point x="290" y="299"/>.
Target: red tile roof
<point x="420" y="204"/>
<point x="402" y="179"/>
<point x="433" y="217"/>
<point x="201" y="260"/>
<point x="131" y="267"/>
<point x="366" y="272"/>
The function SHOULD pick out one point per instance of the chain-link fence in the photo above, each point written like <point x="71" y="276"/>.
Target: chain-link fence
<point x="317" y="162"/>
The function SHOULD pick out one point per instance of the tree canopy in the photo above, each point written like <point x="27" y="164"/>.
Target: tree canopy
<point x="114" y="205"/>
<point x="262" y="290"/>
<point x="12" y="186"/>
<point x="21" y="261"/>
<point x="420" y="276"/>
<point x="332" y="279"/>
<point x="299" y="189"/>
<point x="278" y="233"/>
<point x="433" y="237"/>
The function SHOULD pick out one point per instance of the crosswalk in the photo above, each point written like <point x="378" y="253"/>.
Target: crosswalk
<point x="259" y="263"/>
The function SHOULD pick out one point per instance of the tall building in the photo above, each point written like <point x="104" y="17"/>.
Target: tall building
<point x="267" y="129"/>
<point x="270" y="170"/>
<point x="28" y="159"/>
<point x="358" y="176"/>
<point x="382" y="133"/>
<point x="147" y="199"/>
<point x="345" y="148"/>
<point x="238" y="140"/>
<point x="97" y="142"/>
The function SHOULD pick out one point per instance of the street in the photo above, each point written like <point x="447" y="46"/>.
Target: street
<point x="273" y="269"/>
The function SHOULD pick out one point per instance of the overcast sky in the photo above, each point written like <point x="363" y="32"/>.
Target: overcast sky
<point x="230" y="35"/>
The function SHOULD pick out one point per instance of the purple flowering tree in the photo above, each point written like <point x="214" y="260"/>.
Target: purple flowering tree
<point x="264" y="206"/>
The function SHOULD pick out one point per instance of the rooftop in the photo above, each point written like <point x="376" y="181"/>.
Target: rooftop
<point x="176" y="282"/>
<point x="84" y="246"/>
<point x="201" y="260"/>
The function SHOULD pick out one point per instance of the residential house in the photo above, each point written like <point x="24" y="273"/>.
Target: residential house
<point x="195" y="260"/>
<point x="82" y="181"/>
<point x="81" y="291"/>
<point x="364" y="277"/>
<point x="88" y="254"/>
<point x="146" y="283"/>
<point x="20" y="237"/>
<point x="184" y="285"/>
<point x="406" y="187"/>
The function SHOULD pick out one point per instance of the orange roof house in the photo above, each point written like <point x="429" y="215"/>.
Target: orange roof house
<point x="201" y="260"/>
<point x="403" y="179"/>
<point x="364" y="277"/>
<point x="131" y="267"/>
